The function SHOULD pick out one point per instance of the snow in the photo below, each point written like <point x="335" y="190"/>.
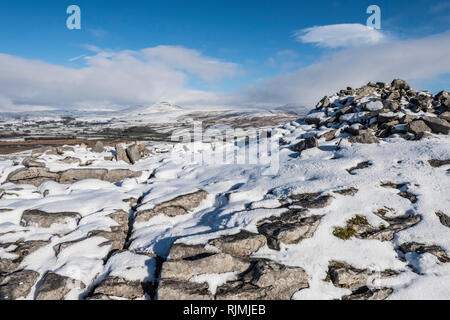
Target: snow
<point x="374" y="106"/>
<point x="240" y="195"/>
<point x="214" y="280"/>
<point x="353" y="117"/>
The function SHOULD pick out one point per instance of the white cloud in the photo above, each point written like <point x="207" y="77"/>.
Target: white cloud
<point x="209" y="69"/>
<point x="111" y="79"/>
<point x="119" y="79"/>
<point x="340" y="35"/>
<point x="415" y="59"/>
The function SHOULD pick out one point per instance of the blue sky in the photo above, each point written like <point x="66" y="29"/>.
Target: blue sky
<point x="253" y="41"/>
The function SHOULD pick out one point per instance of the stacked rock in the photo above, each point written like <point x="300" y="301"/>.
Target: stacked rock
<point x="381" y="110"/>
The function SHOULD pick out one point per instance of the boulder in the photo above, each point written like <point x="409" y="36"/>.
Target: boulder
<point x="143" y="150"/>
<point x="33" y="175"/>
<point x="242" y="244"/>
<point x="421" y="248"/>
<point x="343" y="275"/>
<point x="217" y="263"/>
<point x="122" y="288"/>
<point x="73" y="175"/>
<point x="324" y="103"/>
<point x="115" y="239"/>
<point x="347" y="192"/>
<point x="175" y="207"/>
<point x="330" y="135"/>
<point x="312" y="200"/>
<point x="8" y="265"/>
<point x="116" y="175"/>
<point x="44" y="219"/>
<point x="399" y="84"/>
<point x="289" y="228"/>
<point x="265" y="280"/>
<point x="121" y="154"/>
<point x="121" y="218"/>
<point x="17" y="285"/>
<point x="445" y="219"/>
<point x="365" y="136"/>
<point x="98" y="148"/>
<point x="435" y="163"/>
<point x="307" y="143"/>
<point x="179" y="251"/>
<point x="443" y="95"/>
<point x="445" y="116"/>
<point x="365" y="293"/>
<point x="170" y="289"/>
<point x="133" y="153"/>
<point x="408" y="195"/>
<point x="32" y="163"/>
<point x="437" y="125"/>
<point x="63" y="149"/>
<point x="37" y="175"/>
<point x="56" y="287"/>
<point x="40" y="151"/>
<point x="360" y="228"/>
<point x="99" y="297"/>
<point x="22" y="249"/>
<point x="407" y="118"/>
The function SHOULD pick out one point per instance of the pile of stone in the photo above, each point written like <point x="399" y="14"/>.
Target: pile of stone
<point x="381" y="110"/>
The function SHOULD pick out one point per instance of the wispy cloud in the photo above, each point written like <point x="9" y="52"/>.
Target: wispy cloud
<point x="192" y="61"/>
<point x="340" y="35"/>
<point x="77" y="58"/>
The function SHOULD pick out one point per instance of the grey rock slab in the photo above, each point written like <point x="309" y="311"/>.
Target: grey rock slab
<point x="265" y="280"/>
<point x="242" y="244"/>
<point x="217" y="263"/>
<point x="178" y="206"/>
<point x="290" y="228"/>
<point x="18" y="284"/>
<point x="369" y="294"/>
<point x="179" y="251"/>
<point x="99" y="147"/>
<point x="55" y="287"/>
<point x="437" y="125"/>
<point x="133" y="153"/>
<point x="44" y="219"/>
<point x="443" y="218"/>
<point x="169" y="289"/>
<point x="121" y="154"/>
<point x="421" y="248"/>
<point x="120" y="287"/>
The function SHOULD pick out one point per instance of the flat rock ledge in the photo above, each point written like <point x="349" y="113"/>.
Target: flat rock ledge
<point x="255" y="279"/>
<point x="37" y="175"/>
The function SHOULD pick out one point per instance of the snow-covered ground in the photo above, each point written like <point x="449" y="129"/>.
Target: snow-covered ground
<point x="237" y="196"/>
